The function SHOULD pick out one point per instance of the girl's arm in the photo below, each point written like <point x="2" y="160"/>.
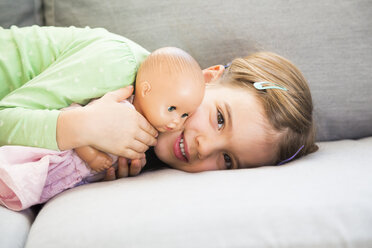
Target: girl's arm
<point x="96" y="160"/>
<point x="108" y="126"/>
<point x="88" y="67"/>
<point x="24" y="54"/>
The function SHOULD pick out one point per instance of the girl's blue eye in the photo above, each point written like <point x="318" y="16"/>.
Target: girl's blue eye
<point x="220" y="120"/>
<point x="184" y="115"/>
<point x="228" y="162"/>
<point x="171" y="108"/>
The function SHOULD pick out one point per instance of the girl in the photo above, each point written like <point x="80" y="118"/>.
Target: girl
<point x="256" y="112"/>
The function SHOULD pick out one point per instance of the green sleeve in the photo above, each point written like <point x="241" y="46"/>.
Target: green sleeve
<point x="26" y="52"/>
<point x="88" y="64"/>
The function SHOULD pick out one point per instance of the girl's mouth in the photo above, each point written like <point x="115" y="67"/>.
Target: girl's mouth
<point x="180" y="148"/>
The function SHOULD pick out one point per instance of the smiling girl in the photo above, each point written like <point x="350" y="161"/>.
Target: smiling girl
<point x="256" y="112"/>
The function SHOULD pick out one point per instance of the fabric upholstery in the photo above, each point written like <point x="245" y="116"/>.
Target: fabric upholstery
<point x="20" y="12"/>
<point x="322" y="200"/>
<point x="330" y="41"/>
<point x="14" y="227"/>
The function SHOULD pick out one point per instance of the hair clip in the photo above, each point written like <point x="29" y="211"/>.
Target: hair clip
<point x="289" y="159"/>
<point x="268" y="85"/>
<point x="227" y="65"/>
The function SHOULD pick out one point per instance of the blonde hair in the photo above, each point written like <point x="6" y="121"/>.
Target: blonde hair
<point x="289" y="112"/>
<point x="169" y="60"/>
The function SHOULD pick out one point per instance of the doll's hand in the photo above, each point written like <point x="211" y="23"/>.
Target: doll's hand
<point x="117" y="128"/>
<point x="96" y="160"/>
<point x="125" y="169"/>
<point x="100" y="162"/>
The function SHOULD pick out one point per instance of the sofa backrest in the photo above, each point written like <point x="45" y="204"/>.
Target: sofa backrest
<point x="330" y="41"/>
<point x="21" y="13"/>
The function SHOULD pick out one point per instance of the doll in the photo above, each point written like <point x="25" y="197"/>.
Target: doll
<point x="169" y="87"/>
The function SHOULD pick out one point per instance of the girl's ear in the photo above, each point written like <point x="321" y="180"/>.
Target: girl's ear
<point x="144" y="88"/>
<point x="213" y="73"/>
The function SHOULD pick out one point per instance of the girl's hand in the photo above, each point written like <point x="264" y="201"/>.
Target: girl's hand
<point x="125" y="169"/>
<point x="107" y="125"/>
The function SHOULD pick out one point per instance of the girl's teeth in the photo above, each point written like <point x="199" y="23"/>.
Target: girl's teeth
<point x="182" y="147"/>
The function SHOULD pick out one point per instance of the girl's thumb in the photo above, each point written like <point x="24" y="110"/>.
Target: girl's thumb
<point x="120" y="94"/>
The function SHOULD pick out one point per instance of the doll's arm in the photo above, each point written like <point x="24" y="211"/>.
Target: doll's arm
<point x="96" y="160"/>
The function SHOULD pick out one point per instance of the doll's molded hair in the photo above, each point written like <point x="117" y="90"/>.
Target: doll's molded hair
<point x="170" y="60"/>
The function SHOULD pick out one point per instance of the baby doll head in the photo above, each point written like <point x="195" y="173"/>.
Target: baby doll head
<point x="169" y="87"/>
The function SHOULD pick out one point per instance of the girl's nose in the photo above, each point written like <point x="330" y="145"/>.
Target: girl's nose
<point x="206" y="146"/>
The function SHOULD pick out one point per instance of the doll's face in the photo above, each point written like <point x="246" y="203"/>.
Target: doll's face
<point x="168" y="100"/>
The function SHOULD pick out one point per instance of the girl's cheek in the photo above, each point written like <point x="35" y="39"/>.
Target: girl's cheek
<point x="197" y="120"/>
<point x="163" y="149"/>
<point x="209" y="165"/>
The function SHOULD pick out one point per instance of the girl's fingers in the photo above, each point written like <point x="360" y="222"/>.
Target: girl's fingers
<point x="145" y="138"/>
<point x="143" y="162"/>
<point x="135" y="167"/>
<point x="120" y="94"/>
<point x="146" y="126"/>
<point x="110" y="174"/>
<point x="123" y="169"/>
<point x="132" y="154"/>
<point x="138" y="146"/>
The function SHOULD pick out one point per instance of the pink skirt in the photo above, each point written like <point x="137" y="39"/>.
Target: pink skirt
<point x="30" y="175"/>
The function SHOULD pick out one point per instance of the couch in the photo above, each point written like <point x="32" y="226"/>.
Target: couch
<point x="321" y="200"/>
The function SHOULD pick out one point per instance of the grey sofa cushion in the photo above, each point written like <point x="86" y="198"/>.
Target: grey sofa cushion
<point x="323" y="200"/>
<point x="20" y="13"/>
<point x="330" y="41"/>
<point x="14" y="227"/>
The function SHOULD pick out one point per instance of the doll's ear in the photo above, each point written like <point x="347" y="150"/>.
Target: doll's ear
<point x="213" y="73"/>
<point x="145" y="88"/>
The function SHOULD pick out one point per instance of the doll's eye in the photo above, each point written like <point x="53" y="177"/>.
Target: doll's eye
<point x="184" y="115"/>
<point x="171" y="108"/>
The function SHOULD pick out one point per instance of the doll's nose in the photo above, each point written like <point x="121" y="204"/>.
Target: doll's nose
<point x="176" y="123"/>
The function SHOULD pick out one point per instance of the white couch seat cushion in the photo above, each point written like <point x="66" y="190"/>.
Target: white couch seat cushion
<point x="322" y="200"/>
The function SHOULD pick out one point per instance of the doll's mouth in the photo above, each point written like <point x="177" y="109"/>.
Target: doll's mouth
<point x="180" y="148"/>
<point x="168" y="128"/>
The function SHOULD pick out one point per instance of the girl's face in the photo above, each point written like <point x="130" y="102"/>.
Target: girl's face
<point x="227" y="131"/>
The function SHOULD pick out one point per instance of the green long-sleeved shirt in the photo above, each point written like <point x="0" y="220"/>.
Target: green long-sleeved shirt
<point x="44" y="69"/>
